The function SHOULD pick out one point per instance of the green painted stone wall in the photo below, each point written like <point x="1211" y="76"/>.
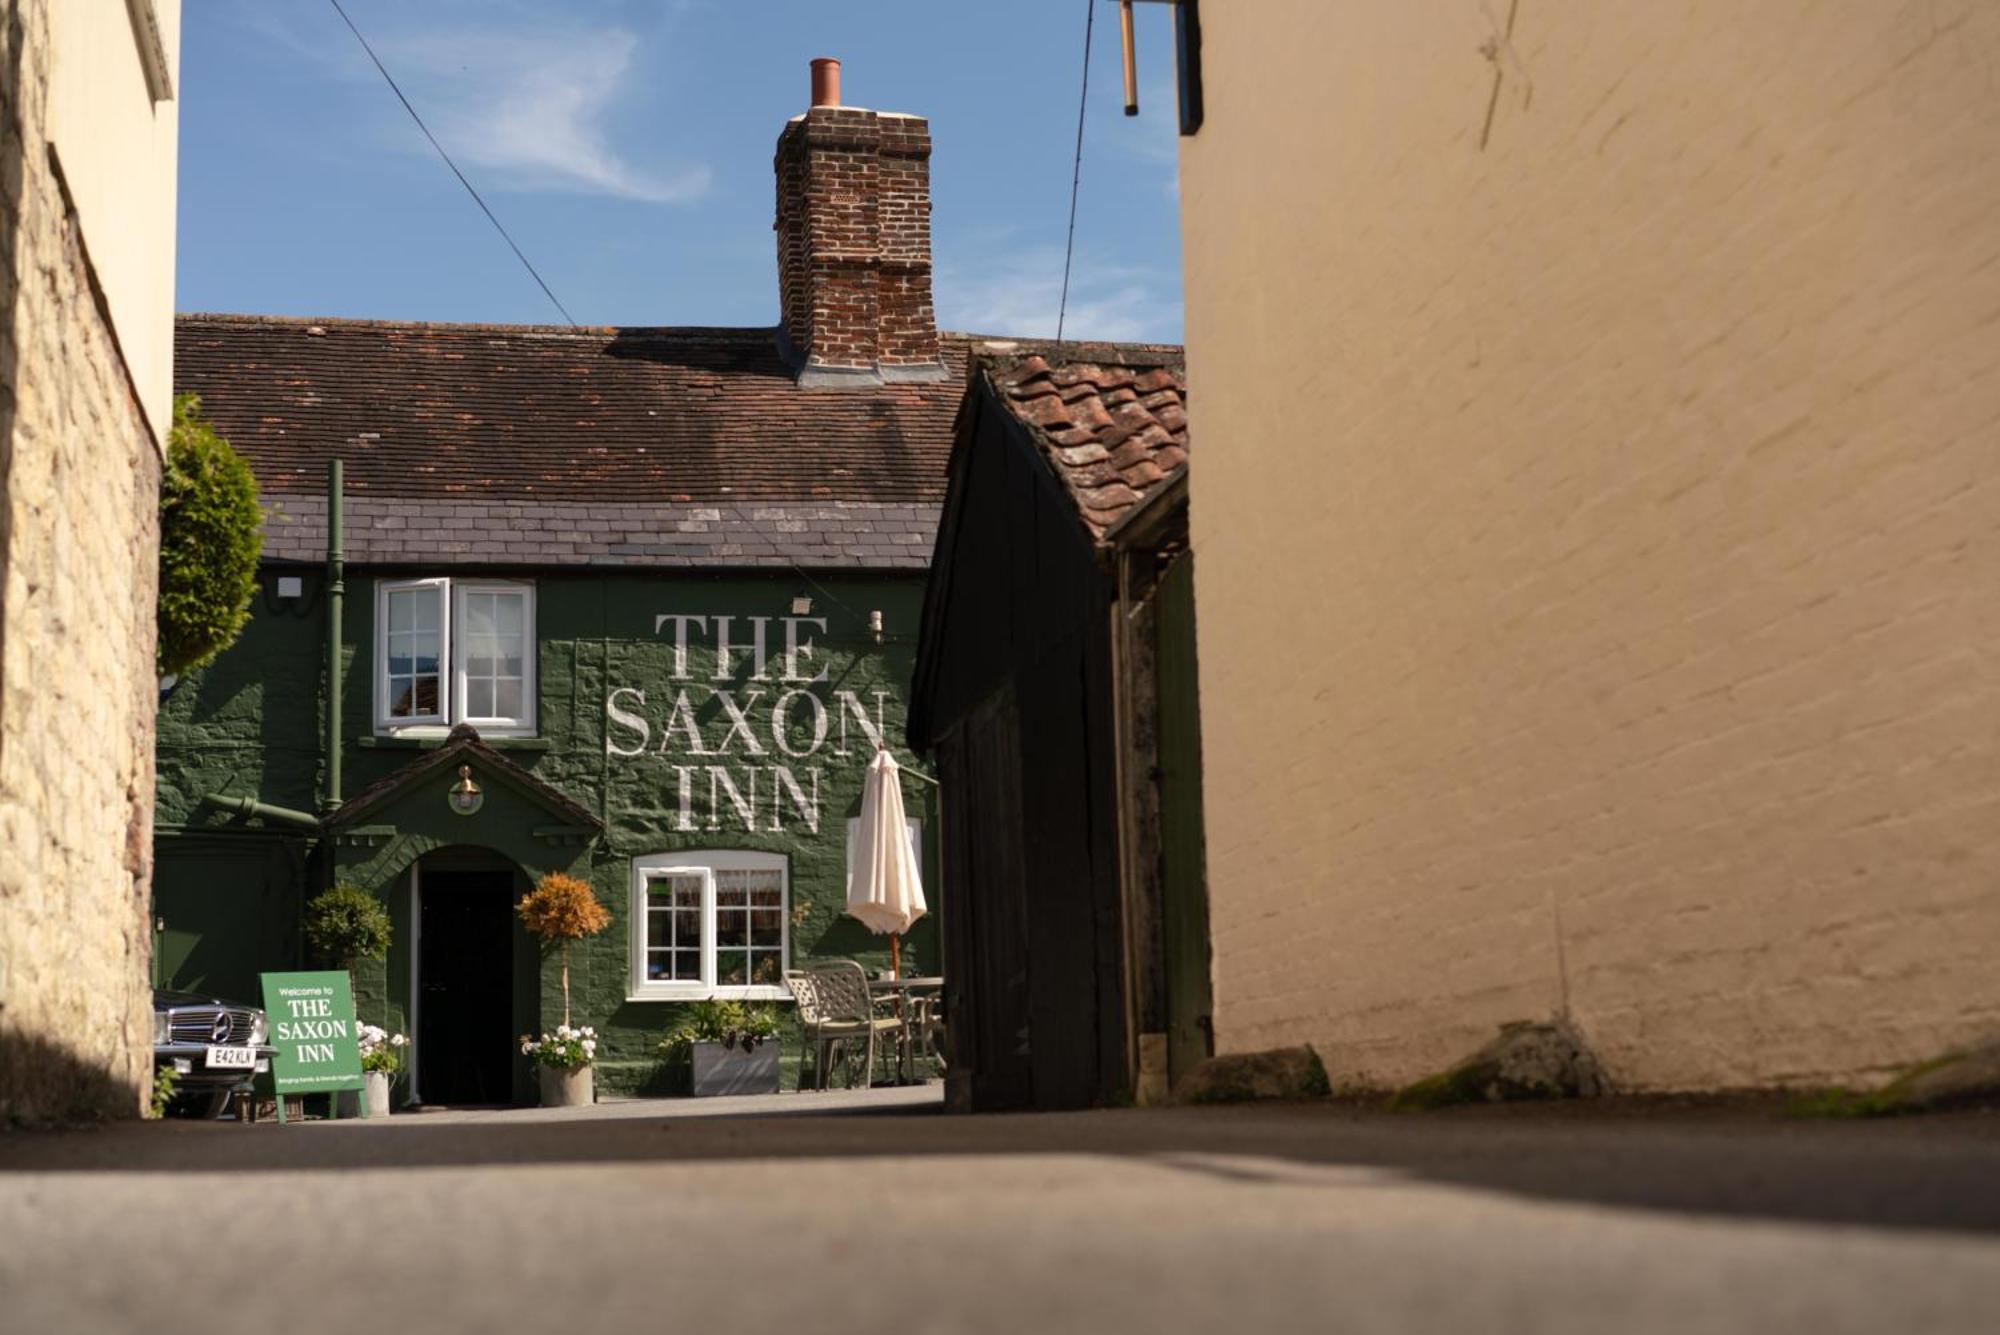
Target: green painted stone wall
<point x="228" y="891"/>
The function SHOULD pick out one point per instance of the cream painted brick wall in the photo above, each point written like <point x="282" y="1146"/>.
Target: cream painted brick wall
<point x="1596" y="531"/>
<point x="78" y="501"/>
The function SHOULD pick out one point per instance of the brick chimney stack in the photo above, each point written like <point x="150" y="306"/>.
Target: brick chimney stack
<point x="854" y="243"/>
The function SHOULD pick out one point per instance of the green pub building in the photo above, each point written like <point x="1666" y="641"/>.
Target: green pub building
<point x="632" y="604"/>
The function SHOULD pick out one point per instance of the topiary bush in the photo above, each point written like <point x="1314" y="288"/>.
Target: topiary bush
<point x="347" y="925"/>
<point x="209" y="542"/>
<point x="562" y="909"/>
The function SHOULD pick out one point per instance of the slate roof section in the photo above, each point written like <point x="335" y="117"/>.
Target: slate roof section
<point x="1111" y="421"/>
<point x="475" y="531"/>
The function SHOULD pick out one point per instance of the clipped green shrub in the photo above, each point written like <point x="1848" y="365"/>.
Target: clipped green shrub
<point x="346" y="925"/>
<point x="209" y="542"/>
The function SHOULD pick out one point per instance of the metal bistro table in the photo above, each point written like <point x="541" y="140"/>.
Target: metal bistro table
<point x="910" y="996"/>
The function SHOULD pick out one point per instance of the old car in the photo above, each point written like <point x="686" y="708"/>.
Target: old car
<point x="214" y="1048"/>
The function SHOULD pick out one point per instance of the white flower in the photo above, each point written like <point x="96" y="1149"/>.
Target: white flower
<point x="398" y="1041"/>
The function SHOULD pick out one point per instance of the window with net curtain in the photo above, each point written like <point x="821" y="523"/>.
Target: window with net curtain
<point x="710" y="923"/>
<point x="455" y="651"/>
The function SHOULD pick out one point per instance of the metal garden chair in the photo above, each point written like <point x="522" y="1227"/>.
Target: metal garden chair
<point x="835" y="1010"/>
<point x="927" y="1037"/>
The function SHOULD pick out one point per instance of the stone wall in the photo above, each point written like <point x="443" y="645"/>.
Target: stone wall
<point x="1599" y="577"/>
<point x="79" y="481"/>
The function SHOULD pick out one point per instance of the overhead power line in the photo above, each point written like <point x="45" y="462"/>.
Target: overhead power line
<point x="504" y="236"/>
<point x="1076" y="174"/>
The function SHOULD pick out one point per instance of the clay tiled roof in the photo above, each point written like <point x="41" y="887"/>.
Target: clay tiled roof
<point x="516" y="444"/>
<point x="1111" y="420"/>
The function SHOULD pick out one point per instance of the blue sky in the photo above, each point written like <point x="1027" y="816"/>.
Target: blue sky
<point x="627" y="146"/>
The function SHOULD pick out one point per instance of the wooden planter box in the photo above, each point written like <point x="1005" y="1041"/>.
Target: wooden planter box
<point x="719" y="1070"/>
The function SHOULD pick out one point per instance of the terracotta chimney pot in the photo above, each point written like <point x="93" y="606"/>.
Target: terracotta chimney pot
<point x="826" y="82"/>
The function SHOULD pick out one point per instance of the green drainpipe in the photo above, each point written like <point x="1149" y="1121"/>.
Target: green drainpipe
<point x="335" y="590"/>
<point x="270" y="815"/>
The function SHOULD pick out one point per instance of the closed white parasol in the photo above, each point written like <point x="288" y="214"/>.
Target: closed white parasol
<point x="885" y="892"/>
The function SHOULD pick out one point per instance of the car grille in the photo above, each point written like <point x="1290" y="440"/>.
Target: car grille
<point x="196" y="1024"/>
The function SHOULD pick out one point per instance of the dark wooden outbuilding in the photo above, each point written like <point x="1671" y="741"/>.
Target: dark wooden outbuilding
<point x="1043" y="668"/>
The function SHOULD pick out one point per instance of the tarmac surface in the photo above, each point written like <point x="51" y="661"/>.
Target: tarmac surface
<point x="876" y="1212"/>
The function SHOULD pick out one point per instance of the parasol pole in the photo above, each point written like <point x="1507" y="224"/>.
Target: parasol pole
<point x="895" y="940"/>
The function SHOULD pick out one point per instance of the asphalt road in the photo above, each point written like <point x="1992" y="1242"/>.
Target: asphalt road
<point x="878" y="1213"/>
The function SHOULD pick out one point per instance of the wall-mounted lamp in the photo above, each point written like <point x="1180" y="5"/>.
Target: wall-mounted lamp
<point x="466" y="796"/>
<point x="802" y="605"/>
<point x="875" y="626"/>
<point x="291" y="586"/>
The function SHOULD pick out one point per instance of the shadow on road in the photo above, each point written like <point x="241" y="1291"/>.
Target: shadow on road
<point x="1932" y="1173"/>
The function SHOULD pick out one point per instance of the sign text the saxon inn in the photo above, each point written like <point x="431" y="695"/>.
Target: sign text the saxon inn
<point x="761" y="725"/>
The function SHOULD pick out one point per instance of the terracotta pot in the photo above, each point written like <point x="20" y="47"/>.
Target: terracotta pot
<point x="566" y="1088"/>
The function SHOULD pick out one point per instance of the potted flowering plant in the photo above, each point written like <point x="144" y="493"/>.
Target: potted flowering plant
<point x="729" y="1046"/>
<point x="381" y="1058"/>
<point x="559" y="910"/>
<point x="563" y="1060"/>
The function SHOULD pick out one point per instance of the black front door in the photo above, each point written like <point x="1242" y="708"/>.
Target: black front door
<point x="465" y="1038"/>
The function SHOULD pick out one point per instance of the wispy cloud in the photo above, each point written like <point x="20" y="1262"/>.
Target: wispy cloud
<point x="530" y="108"/>
<point x="1020" y="293"/>
<point x="525" y="98"/>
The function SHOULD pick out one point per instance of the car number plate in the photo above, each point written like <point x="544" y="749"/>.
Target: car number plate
<point x="232" y="1059"/>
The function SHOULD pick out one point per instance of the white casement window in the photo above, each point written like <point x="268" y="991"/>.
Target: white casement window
<point x="455" y="651"/>
<point x="410" y="640"/>
<point x="710" y="924"/>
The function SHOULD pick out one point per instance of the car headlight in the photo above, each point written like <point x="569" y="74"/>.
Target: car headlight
<point x="162" y="1028"/>
<point x="260" y="1029"/>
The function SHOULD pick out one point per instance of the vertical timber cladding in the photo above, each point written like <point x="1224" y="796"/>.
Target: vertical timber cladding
<point x="1183" y="860"/>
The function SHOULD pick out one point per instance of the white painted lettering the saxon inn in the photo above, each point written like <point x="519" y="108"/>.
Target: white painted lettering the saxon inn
<point x="749" y="763"/>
